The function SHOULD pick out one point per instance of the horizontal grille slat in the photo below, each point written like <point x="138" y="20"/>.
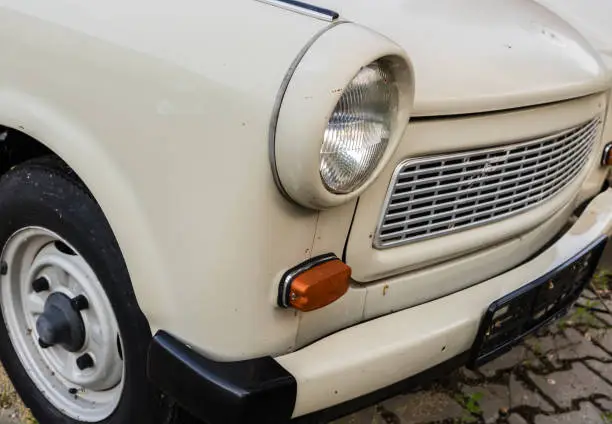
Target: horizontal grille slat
<point x="475" y="171"/>
<point x="569" y="135"/>
<point x="522" y="175"/>
<point x="478" y="190"/>
<point x="548" y="186"/>
<point x="553" y="156"/>
<point x="437" y="195"/>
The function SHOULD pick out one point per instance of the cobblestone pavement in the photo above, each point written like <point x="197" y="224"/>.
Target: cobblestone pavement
<point x="561" y="375"/>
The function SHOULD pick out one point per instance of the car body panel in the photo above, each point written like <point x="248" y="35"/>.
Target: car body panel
<point x="590" y="17"/>
<point x="168" y="127"/>
<point x="431" y="136"/>
<point x="380" y="352"/>
<point x="481" y="55"/>
<point x="165" y="113"/>
<point x="431" y="272"/>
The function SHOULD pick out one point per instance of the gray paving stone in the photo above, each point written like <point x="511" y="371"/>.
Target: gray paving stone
<point x="582" y="317"/>
<point x="588" y="414"/>
<point x="594" y="302"/>
<point x="494" y="397"/>
<point x="516" y="419"/>
<point x="8" y="416"/>
<point x="523" y="396"/>
<point x="551" y="343"/>
<point x="469" y="374"/>
<point x="365" y="416"/>
<point x="563" y="386"/>
<point x="424" y="407"/>
<point x="580" y="346"/>
<point x="506" y="361"/>
<point x="605" y="370"/>
<point x="588" y="296"/>
<point x="533" y="363"/>
<point x="604" y="404"/>
<point x="549" y="329"/>
<point x="607" y="318"/>
<point x="605" y="339"/>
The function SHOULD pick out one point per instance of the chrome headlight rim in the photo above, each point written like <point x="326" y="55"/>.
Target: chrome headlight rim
<point x="308" y="97"/>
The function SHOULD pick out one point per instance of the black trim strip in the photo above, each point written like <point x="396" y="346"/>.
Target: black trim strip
<point x="606" y="150"/>
<point x="309" y="9"/>
<point x="348" y="234"/>
<point x="251" y="391"/>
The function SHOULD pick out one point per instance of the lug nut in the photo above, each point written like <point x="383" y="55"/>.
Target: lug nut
<point x="40" y="284"/>
<point x="85" y="361"/>
<point x="43" y="344"/>
<point x="80" y="302"/>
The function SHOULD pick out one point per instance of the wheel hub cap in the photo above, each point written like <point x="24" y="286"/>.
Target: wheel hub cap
<point x="61" y="324"/>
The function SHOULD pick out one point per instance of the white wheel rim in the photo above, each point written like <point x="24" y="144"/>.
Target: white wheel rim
<point x="91" y="394"/>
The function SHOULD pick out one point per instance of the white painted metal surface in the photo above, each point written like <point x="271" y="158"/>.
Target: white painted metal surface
<point x="431" y="137"/>
<point x="375" y="354"/>
<point x="476" y="55"/>
<point x="166" y="112"/>
<point x="590" y="17"/>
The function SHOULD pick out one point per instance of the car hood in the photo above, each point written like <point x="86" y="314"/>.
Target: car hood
<point x="591" y="18"/>
<point x="474" y="56"/>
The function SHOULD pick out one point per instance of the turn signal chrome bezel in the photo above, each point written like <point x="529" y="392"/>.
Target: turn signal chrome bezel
<point x="314" y="284"/>
<point x="606" y="157"/>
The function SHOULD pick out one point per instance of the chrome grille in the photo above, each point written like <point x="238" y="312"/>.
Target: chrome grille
<point x="437" y="195"/>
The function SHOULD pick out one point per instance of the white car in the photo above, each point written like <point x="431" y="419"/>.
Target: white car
<point x="260" y="211"/>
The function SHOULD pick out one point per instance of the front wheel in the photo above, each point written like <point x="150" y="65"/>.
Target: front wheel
<point x="73" y="339"/>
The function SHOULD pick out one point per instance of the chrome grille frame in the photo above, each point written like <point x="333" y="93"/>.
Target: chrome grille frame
<point x="437" y="195"/>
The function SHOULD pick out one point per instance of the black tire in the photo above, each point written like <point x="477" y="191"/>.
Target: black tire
<point x="45" y="193"/>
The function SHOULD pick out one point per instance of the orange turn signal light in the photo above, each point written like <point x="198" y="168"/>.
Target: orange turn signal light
<point x="606" y="159"/>
<point x="314" y="283"/>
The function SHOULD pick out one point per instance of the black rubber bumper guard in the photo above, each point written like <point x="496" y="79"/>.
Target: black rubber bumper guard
<point x="252" y="391"/>
<point x="256" y="390"/>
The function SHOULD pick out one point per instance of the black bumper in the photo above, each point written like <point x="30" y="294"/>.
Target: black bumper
<point x="253" y="391"/>
<point x="256" y="390"/>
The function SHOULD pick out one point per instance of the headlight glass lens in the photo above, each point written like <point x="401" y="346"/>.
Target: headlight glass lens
<point x="359" y="129"/>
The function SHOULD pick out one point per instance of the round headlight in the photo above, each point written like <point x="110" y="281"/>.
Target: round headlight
<point x="335" y="129"/>
<point x="358" y="131"/>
